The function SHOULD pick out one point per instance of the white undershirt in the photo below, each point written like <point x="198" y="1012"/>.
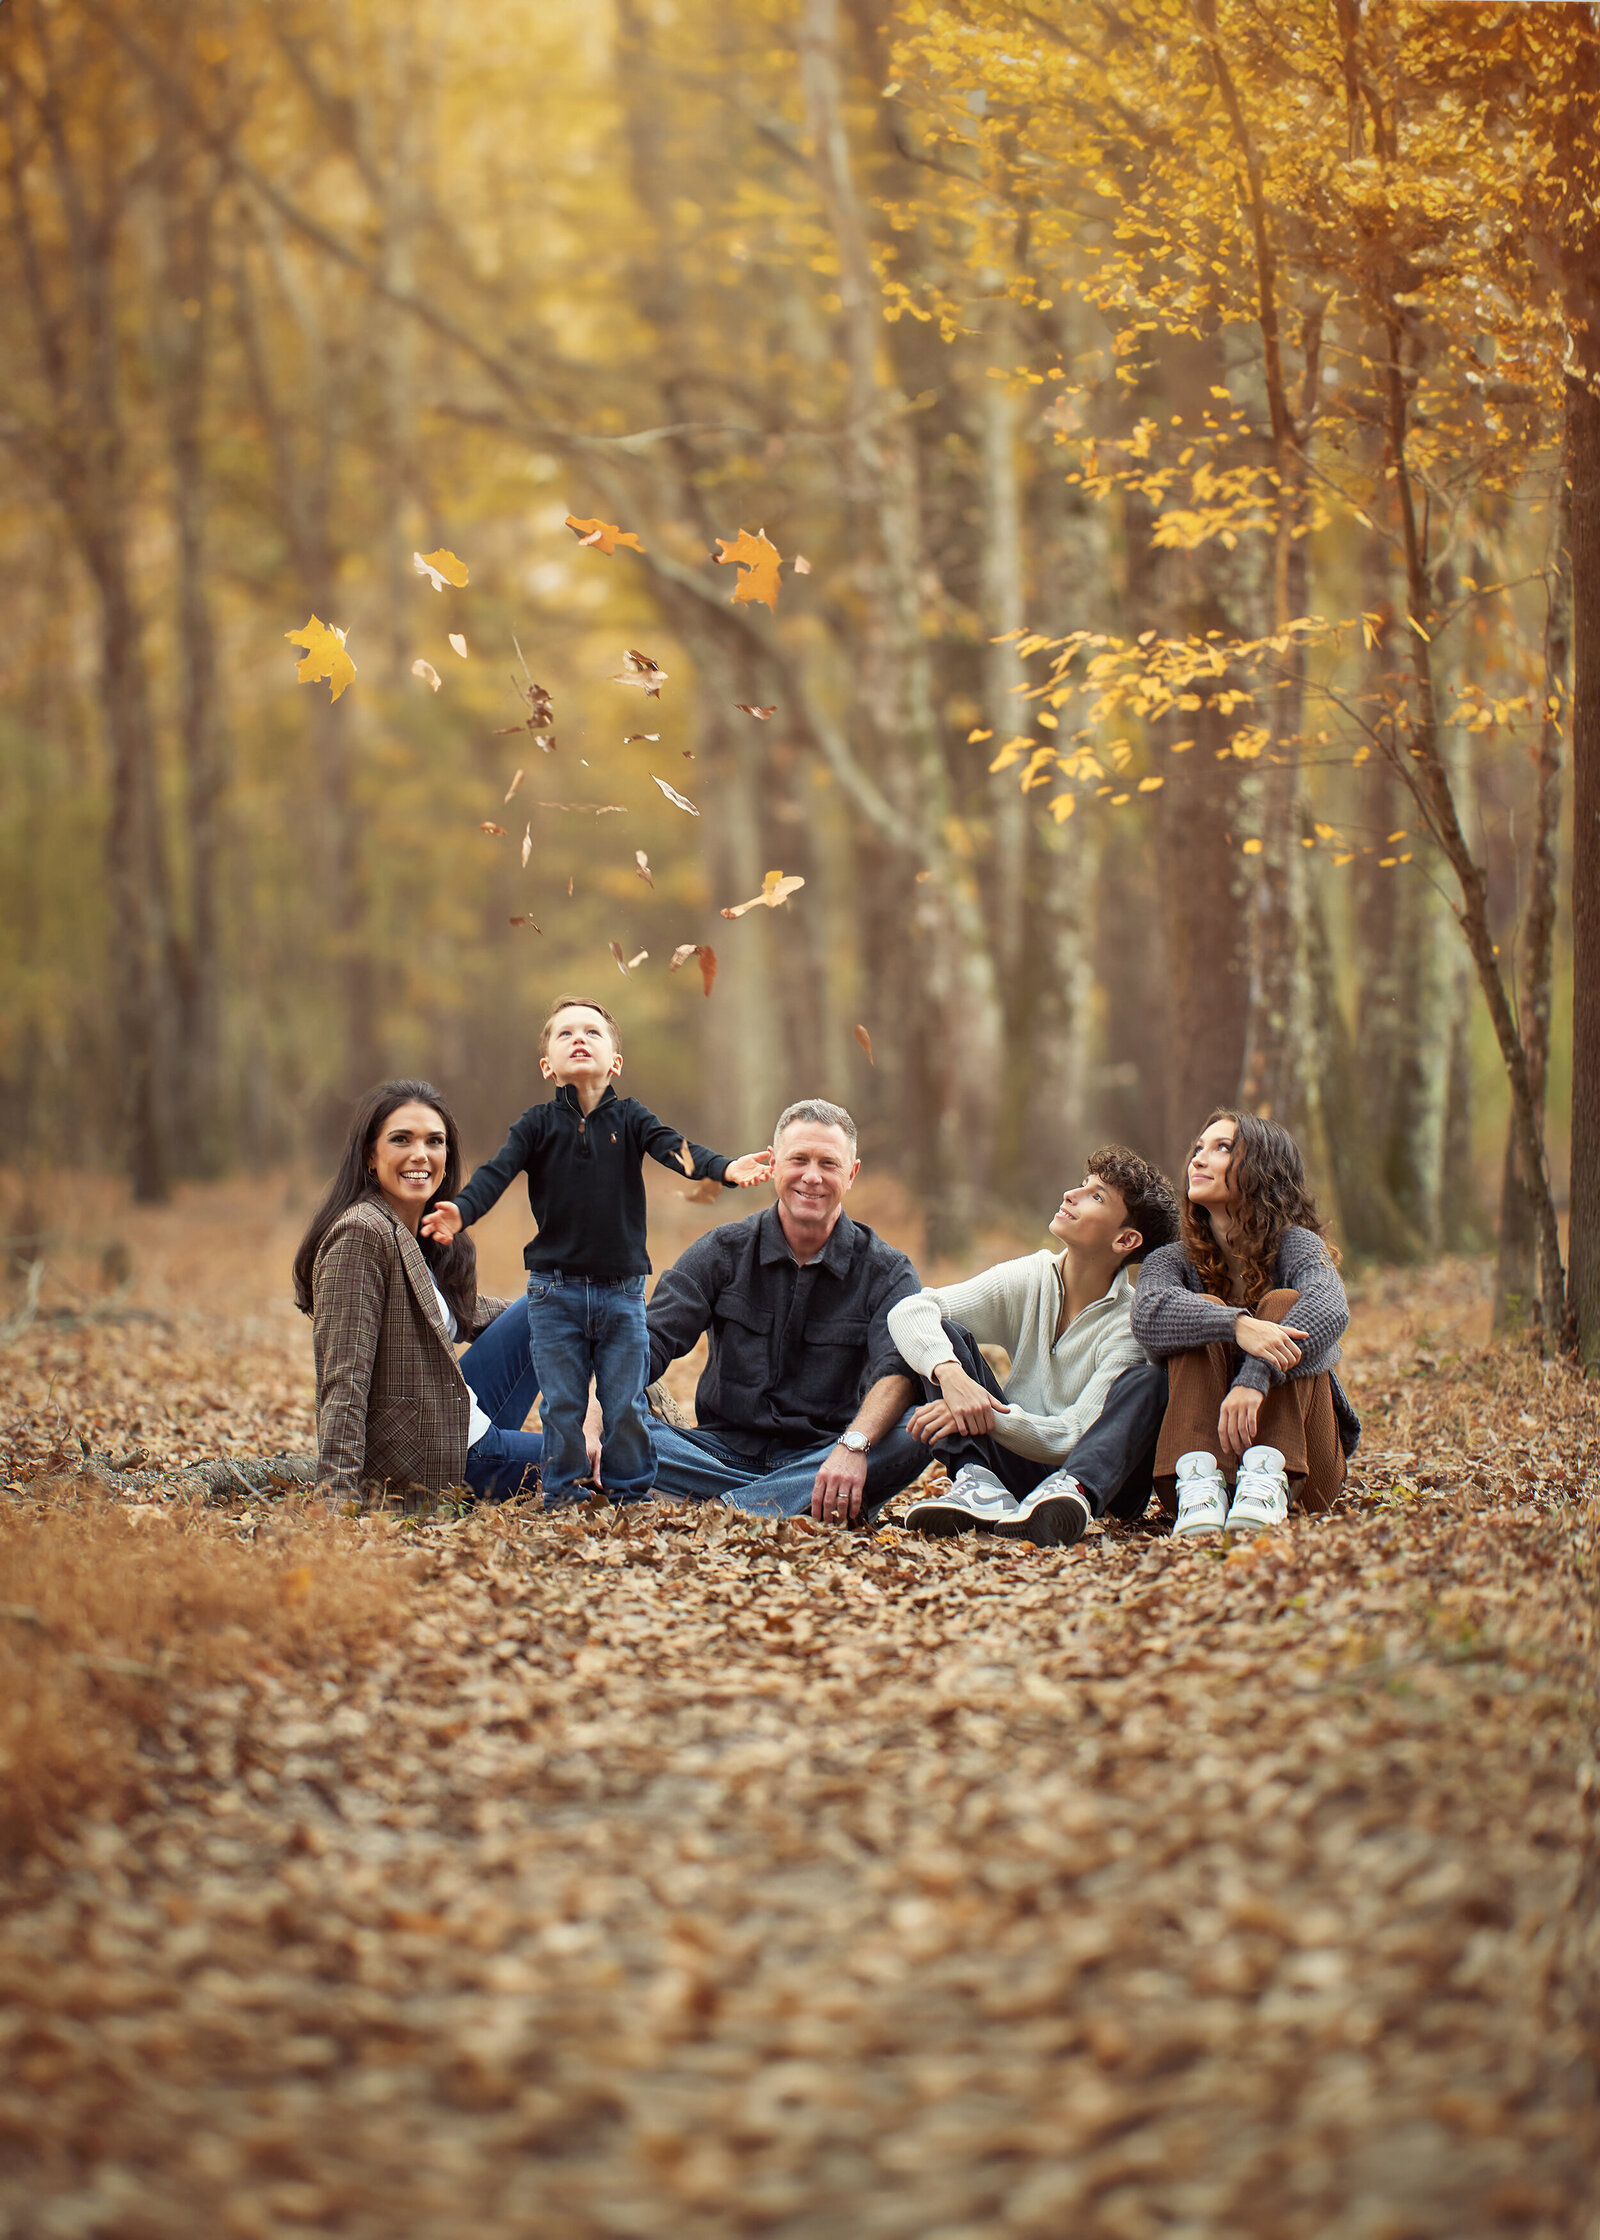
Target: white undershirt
<point x="477" y="1422"/>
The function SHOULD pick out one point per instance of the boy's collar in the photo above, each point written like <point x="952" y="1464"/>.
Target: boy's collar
<point x="567" y="1094"/>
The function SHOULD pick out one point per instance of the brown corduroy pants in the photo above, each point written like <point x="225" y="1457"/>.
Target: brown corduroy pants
<point x="1296" y="1417"/>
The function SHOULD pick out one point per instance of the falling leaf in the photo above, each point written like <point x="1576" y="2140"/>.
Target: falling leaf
<point x="678" y="800"/>
<point x="516" y="781"/>
<point x="524" y="922"/>
<point x="761" y="715"/>
<point x="603" y="534"/>
<point x="569" y="888"/>
<point x="325" y="655"/>
<point x="686" y="1160"/>
<point x="643" y="861"/>
<point x="865" y="1041"/>
<point x="639" y="669"/>
<point x="708" y="961"/>
<point x="653" y="736"/>
<point x="758" y="562"/>
<point x="705" y="1193"/>
<point x="527" y="844"/>
<point x="588" y="808"/>
<point x="625" y="965"/>
<point x="427" y="672"/>
<point x="1252" y="848"/>
<point x="494" y="830"/>
<point x="775" y="888"/>
<point x="458" y="644"/>
<point x="800" y="564"/>
<point x="440" y="568"/>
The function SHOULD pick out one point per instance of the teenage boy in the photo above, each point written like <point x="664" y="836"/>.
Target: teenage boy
<point x="1073" y="1430"/>
<point x="583" y="1154"/>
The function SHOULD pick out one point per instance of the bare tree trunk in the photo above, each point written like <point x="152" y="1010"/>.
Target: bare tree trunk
<point x="189" y="206"/>
<point x="72" y="309"/>
<point x="1421" y="763"/>
<point x="962" y="1044"/>
<point x="1583" y="466"/>
<point x="1516" y="1284"/>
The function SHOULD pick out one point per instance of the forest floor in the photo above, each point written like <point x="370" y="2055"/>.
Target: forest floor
<point x="666" y="1874"/>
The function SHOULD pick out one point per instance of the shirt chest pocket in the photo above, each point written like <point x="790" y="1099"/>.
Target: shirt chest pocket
<point x="743" y="1341"/>
<point x="837" y="1330"/>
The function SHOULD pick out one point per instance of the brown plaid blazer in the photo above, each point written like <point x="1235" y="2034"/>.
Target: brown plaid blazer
<point x="392" y="1404"/>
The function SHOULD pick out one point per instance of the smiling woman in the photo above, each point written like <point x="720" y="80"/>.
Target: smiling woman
<point x="388" y="1307"/>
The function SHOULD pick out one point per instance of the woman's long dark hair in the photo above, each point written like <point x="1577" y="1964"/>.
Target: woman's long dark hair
<point x="1268" y="1176"/>
<point x="454" y="1265"/>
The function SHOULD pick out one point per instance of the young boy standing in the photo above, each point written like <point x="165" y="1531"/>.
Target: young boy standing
<point x="582" y="1153"/>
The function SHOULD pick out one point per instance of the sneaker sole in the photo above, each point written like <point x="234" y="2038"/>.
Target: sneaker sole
<point x="945" y="1520"/>
<point x="1248" y="1523"/>
<point x="1182" y="1531"/>
<point x="1058" y="1523"/>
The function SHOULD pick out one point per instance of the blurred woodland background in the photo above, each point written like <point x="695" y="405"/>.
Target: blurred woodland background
<point x="1188" y="413"/>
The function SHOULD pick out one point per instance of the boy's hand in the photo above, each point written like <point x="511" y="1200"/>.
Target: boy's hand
<point x="754" y="1167"/>
<point x="442" y="1224"/>
<point x="971" y="1408"/>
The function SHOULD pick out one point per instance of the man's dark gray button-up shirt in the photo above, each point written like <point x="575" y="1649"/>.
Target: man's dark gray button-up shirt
<point x="792" y="1348"/>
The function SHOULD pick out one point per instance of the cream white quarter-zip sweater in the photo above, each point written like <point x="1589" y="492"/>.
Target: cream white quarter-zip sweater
<point x="1055" y="1390"/>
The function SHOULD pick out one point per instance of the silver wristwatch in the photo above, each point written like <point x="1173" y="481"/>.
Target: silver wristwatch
<point x="855" y="1442"/>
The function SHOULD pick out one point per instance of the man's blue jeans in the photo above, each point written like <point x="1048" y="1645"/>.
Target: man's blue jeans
<point x="499" y="1372"/>
<point x="581" y="1327"/>
<point x="777" y="1482"/>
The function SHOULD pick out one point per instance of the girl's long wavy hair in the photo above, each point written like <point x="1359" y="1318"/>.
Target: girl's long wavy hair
<point x="454" y="1265"/>
<point x="1268" y="1176"/>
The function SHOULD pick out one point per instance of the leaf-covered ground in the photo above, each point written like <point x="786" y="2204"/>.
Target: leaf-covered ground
<point x="657" y="1874"/>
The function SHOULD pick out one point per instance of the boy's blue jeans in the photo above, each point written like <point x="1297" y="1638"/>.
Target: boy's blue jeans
<point x="583" y="1326"/>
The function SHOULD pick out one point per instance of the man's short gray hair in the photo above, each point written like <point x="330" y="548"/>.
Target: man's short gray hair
<point x="821" y="1114"/>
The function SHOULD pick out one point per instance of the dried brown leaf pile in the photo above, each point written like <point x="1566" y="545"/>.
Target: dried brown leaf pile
<point x="668" y="1875"/>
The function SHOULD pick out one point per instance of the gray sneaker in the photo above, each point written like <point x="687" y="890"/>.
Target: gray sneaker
<point x="1055" y="1515"/>
<point x="974" y="1501"/>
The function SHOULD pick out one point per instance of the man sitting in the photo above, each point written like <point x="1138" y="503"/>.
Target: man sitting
<point x="800" y="1401"/>
<point x="1072" y="1433"/>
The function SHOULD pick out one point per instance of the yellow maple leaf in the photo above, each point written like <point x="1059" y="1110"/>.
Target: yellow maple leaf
<point x="325" y="655"/>
<point x="758" y="562"/>
<point x="605" y="536"/>
<point x="440" y="568"/>
<point x="775" y="889"/>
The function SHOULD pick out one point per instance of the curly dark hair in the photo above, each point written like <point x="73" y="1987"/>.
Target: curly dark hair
<point x="454" y="1265"/>
<point x="1268" y="1177"/>
<point x="1143" y="1189"/>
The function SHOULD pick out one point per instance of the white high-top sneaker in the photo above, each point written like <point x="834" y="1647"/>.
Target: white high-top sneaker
<point x="1260" y="1492"/>
<point x="974" y="1501"/>
<point x="1202" y="1494"/>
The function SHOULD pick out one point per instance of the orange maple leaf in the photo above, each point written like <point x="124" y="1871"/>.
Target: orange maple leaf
<point x="758" y="562"/>
<point x="604" y="535"/>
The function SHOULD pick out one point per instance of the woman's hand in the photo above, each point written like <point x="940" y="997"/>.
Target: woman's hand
<point x="1272" y="1342"/>
<point x="442" y="1224"/>
<point x="593" y="1435"/>
<point x="1241" y="1411"/>
<point x="754" y="1167"/>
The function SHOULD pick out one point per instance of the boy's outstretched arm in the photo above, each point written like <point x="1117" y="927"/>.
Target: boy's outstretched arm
<point x="488" y="1182"/>
<point x="672" y="1149"/>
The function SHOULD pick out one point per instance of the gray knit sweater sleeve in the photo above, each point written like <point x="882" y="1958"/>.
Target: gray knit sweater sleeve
<point x="1321" y="1311"/>
<point x="1171" y="1313"/>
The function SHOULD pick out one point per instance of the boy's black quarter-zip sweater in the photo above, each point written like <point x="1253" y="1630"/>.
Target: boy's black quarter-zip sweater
<point x="585" y="1180"/>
